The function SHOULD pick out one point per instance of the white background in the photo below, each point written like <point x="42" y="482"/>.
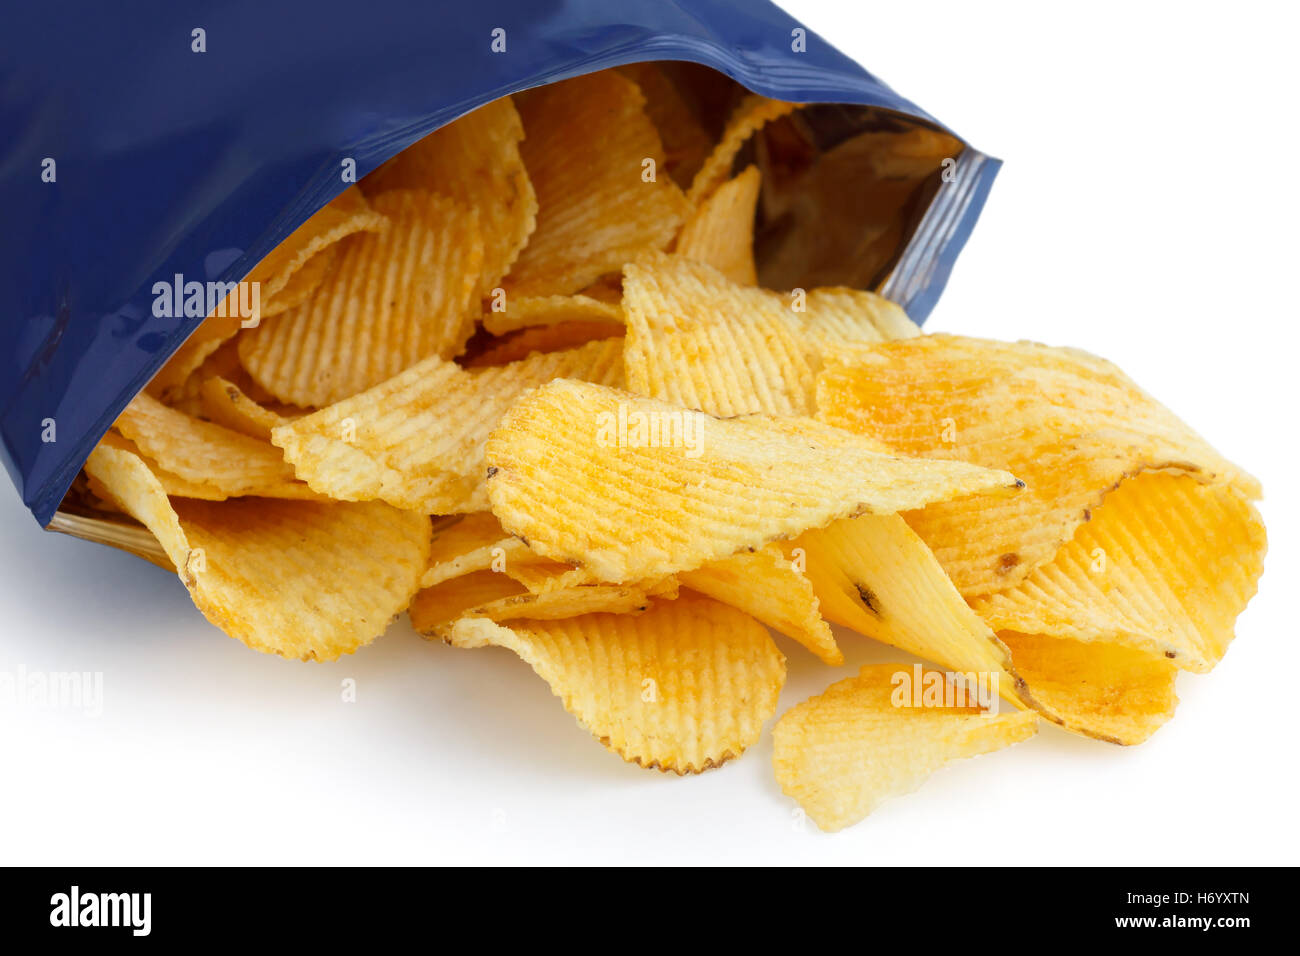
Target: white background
<point x="1147" y="211"/>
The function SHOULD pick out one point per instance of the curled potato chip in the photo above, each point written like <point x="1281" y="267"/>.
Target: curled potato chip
<point x="1164" y="565"/>
<point x="301" y="579"/>
<point x="842" y="753"/>
<point x="498" y="597"/>
<point x="631" y="488"/>
<point x="753" y="113"/>
<point x="416" y="441"/>
<point x="395" y="298"/>
<point x="204" y="454"/>
<point x="347" y="214"/>
<point x="875" y="575"/>
<point x="686" y="142"/>
<point x="683" y="687"/>
<point x="700" y="340"/>
<point x="225" y="404"/>
<point x="763" y="584"/>
<point x="1107" y="691"/>
<point x="592" y="155"/>
<point x="302" y="285"/>
<point x="1071" y="425"/>
<point x="517" y="346"/>
<point x="474" y="159"/>
<point x="472" y="542"/>
<point x="721" y="231"/>
<point x="524" y="311"/>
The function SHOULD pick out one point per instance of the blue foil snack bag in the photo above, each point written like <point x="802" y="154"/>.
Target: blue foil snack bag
<point x="161" y="141"/>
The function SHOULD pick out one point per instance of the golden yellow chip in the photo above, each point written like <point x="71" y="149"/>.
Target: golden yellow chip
<point x="753" y="113"/>
<point x="225" y="404"/>
<point x="765" y="585"/>
<point x="304" y="282"/>
<point x="875" y="575"/>
<point x="302" y="579"/>
<point x="205" y="454"/>
<point x="416" y="441"/>
<point x="700" y="340"/>
<point x="544" y="338"/>
<point x="686" y="142"/>
<point x="174" y="485"/>
<point x="631" y="488"/>
<point x="721" y="231"/>
<point x="593" y="157"/>
<point x="523" y="312"/>
<point x="472" y="542"/>
<point x="498" y="597"/>
<point x="684" y="687"/>
<point x="864" y="739"/>
<point x="1107" y="691"/>
<point x="475" y="159"/>
<point x="392" y="300"/>
<point x="348" y="213"/>
<point x="1071" y="425"/>
<point x="1164" y="565"/>
<point x="836" y="318"/>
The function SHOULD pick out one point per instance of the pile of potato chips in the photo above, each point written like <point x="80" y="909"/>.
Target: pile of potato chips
<point x="522" y="382"/>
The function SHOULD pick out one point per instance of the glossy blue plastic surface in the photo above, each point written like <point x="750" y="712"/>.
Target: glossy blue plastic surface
<point x="173" y="161"/>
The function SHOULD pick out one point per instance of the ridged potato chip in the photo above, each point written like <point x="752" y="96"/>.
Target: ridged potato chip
<point x="475" y="159"/>
<point x="302" y="285"/>
<point x="1164" y="565"/>
<point x="524" y="311"/>
<point x="765" y="585"/>
<point x="842" y="753"/>
<point x="347" y="214"/>
<point x="394" y="298"/>
<point x="206" y="454"/>
<point x="630" y="488"/>
<point x="700" y="340"/>
<point x="599" y="203"/>
<point x="753" y="113"/>
<point x="517" y="346"/>
<point x="301" y="579"/>
<point x="686" y="142"/>
<point x="682" y="688"/>
<point x="1069" y="424"/>
<point x="721" y="231"/>
<point x="416" y="441"/>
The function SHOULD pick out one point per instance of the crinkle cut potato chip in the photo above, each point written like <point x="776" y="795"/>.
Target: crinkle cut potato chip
<point x="544" y="338"/>
<point x="686" y="142"/>
<point x="753" y="113"/>
<point x="302" y="285"/>
<point x="1164" y="565"/>
<point x="207" y="454"/>
<point x="842" y="753"/>
<point x="765" y="585"/>
<point x="629" y="488"/>
<point x="524" y="311"/>
<point x="393" y="299"/>
<point x="700" y="340"/>
<point x="348" y="213"/>
<point x="416" y="441"/>
<point x="301" y="579"/>
<point x="1069" y="424"/>
<point x="474" y="159"/>
<point x="498" y="597"/>
<point x="472" y="542"/>
<point x="587" y="140"/>
<point x="721" y="231"/>
<point x="682" y="688"/>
